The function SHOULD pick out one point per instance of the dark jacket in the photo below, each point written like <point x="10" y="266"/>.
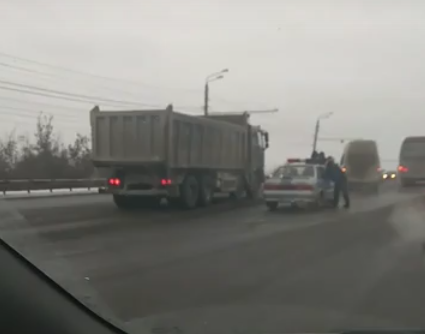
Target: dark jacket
<point x="321" y="157"/>
<point x="334" y="173"/>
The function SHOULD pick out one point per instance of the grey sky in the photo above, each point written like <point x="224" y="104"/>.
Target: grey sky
<point x="362" y="60"/>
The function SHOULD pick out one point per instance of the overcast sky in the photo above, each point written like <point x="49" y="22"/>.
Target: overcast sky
<point x="362" y="60"/>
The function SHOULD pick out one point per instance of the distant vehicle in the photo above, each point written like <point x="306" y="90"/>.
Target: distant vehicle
<point x="299" y="182"/>
<point x="389" y="175"/>
<point x="361" y="163"/>
<point x="149" y="155"/>
<point x="411" y="167"/>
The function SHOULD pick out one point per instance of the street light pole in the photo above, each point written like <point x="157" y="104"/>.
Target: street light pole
<point x="317" y="128"/>
<point x="211" y="78"/>
<point x="206" y="98"/>
<point x="316" y="134"/>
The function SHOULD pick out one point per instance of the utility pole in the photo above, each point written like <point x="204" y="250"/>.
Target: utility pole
<point x="212" y="77"/>
<point x="316" y="134"/>
<point x="317" y="128"/>
<point x="206" y="98"/>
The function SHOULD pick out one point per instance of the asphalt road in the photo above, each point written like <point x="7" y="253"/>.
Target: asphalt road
<point x="236" y="268"/>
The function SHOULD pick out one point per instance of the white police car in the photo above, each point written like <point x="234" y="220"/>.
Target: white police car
<point x="299" y="182"/>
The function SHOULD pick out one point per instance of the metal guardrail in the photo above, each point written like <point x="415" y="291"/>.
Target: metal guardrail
<point x="50" y="184"/>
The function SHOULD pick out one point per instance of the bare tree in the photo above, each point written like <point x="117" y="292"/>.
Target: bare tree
<point x="45" y="156"/>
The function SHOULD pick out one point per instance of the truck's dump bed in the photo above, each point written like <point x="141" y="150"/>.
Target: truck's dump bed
<point x="164" y="136"/>
<point x="125" y="137"/>
<point x="239" y="119"/>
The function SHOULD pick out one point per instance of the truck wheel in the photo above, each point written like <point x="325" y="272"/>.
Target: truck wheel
<point x="124" y="202"/>
<point x="253" y="190"/>
<point x="240" y="191"/>
<point x="189" y="192"/>
<point x="272" y="206"/>
<point x="205" y="192"/>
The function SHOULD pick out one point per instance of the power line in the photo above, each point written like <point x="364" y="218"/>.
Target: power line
<point x="32" y="119"/>
<point x="79" y="95"/>
<point x="32" y="111"/>
<point x="102" y="77"/>
<point x="58" y="92"/>
<point x="49" y="96"/>
<point x="88" y="74"/>
<point x="48" y="105"/>
<point x="51" y="76"/>
<point x="62" y="97"/>
<point x="21" y="68"/>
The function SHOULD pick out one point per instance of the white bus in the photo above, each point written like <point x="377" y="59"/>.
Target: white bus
<point x="361" y="163"/>
<point x="411" y="168"/>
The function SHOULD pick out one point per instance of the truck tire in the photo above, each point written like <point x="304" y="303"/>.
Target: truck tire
<point x="124" y="202"/>
<point x="189" y="192"/>
<point x="253" y="189"/>
<point x="205" y="192"/>
<point x="240" y="191"/>
<point x="272" y="206"/>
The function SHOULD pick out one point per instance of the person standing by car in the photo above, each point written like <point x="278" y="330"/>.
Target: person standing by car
<point x="321" y="157"/>
<point x="334" y="173"/>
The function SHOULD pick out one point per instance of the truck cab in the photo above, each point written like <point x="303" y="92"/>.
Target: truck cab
<point x="259" y="144"/>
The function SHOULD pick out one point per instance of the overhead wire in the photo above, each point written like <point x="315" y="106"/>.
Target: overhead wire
<point x="49" y="95"/>
<point x="115" y="79"/>
<point x="46" y="105"/>
<point x="31" y="112"/>
<point x="97" y="76"/>
<point x="83" y="96"/>
<point x="55" y="77"/>
<point x="32" y="120"/>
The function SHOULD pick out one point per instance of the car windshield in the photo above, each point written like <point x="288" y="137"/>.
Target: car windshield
<point x="156" y="161"/>
<point x="294" y="171"/>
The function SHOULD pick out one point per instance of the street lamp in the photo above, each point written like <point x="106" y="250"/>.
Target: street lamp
<point x="316" y="131"/>
<point x="212" y="77"/>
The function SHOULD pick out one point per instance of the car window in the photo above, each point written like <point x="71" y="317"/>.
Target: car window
<point x="295" y="171"/>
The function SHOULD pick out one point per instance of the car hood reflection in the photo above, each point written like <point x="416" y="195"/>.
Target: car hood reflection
<point x="255" y="320"/>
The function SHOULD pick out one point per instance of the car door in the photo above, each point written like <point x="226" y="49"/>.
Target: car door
<point x="326" y="185"/>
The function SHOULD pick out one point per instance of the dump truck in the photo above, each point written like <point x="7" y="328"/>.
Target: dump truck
<point x="150" y="155"/>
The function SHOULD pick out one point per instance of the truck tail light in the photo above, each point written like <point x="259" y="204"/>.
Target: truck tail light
<point x="115" y="182"/>
<point x="165" y="182"/>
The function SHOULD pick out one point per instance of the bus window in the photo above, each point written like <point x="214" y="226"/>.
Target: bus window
<point x="413" y="150"/>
